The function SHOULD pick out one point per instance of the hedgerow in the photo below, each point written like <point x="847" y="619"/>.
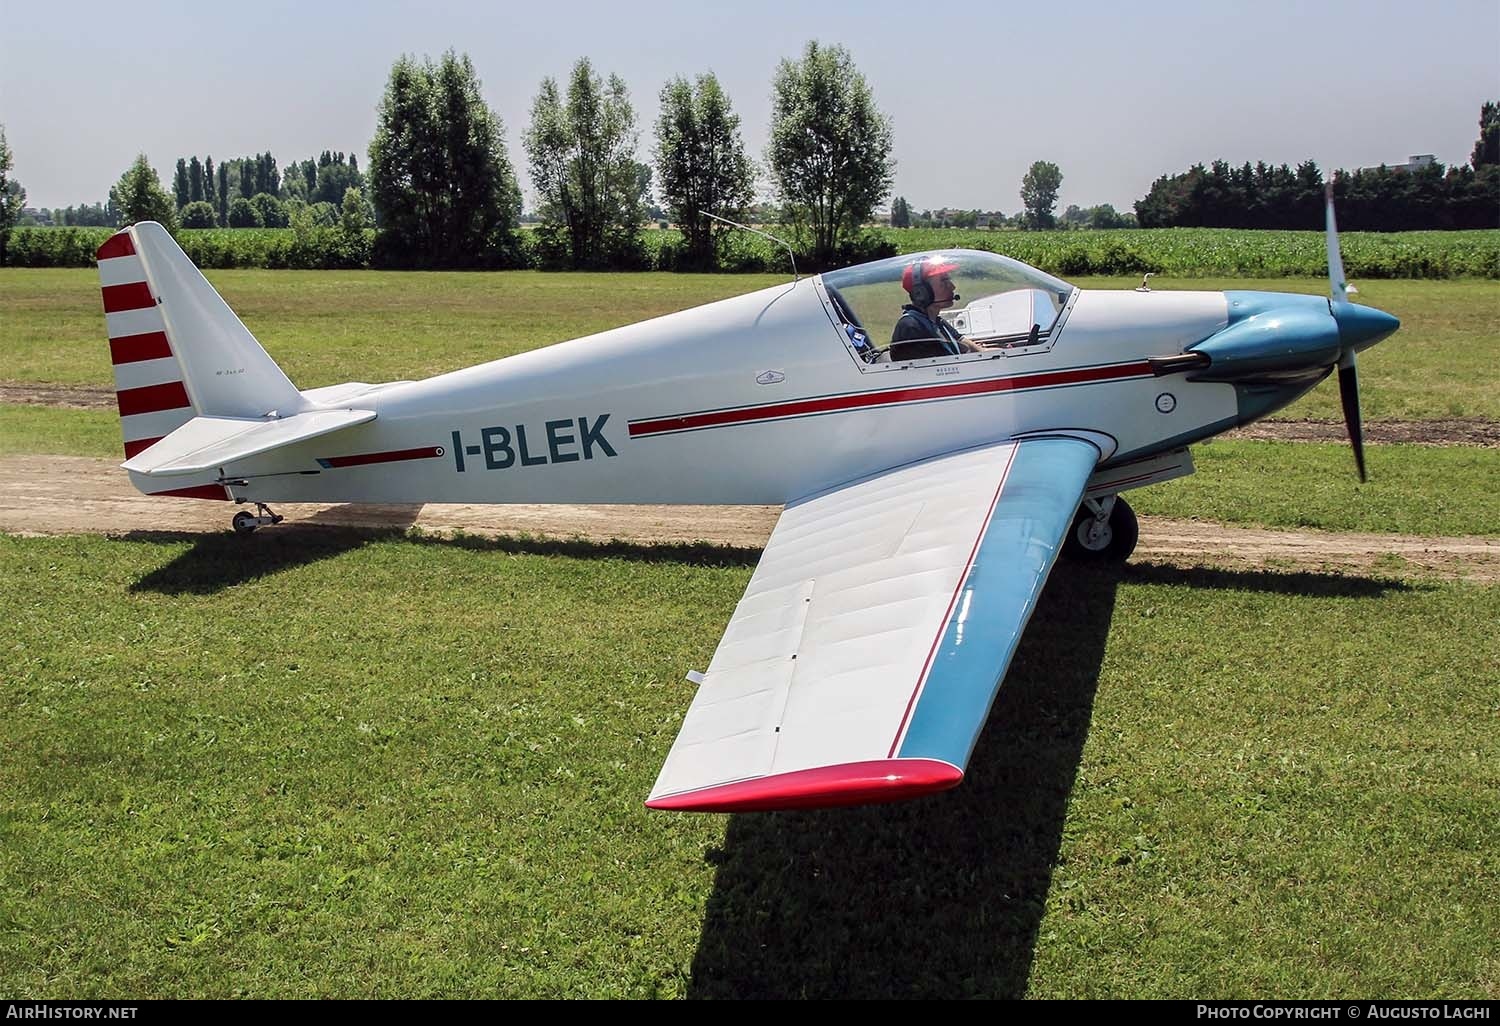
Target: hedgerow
<point x="1180" y="252"/>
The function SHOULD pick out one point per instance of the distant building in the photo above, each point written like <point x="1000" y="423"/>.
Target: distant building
<point x="1415" y="162"/>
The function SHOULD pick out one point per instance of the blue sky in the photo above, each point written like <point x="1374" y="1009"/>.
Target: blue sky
<point x="1116" y="94"/>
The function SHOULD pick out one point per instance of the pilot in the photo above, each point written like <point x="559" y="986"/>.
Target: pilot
<point x="921" y="333"/>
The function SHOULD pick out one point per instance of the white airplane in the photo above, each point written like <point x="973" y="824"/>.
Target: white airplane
<point x="928" y="485"/>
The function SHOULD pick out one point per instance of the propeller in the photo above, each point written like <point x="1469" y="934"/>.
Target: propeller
<point x="1338" y="301"/>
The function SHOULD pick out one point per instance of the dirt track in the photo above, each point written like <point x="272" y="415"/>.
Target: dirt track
<point x="42" y="495"/>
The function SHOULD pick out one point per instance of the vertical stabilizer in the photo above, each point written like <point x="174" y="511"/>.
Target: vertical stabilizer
<point x="178" y="350"/>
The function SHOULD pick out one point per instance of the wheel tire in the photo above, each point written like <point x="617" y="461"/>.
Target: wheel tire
<point x="1113" y="545"/>
<point x="244" y="522"/>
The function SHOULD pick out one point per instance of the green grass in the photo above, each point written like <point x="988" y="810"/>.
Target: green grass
<point x="1412" y="489"/>
<point x="55" y="431"/>
<point x="345" y="765"/>
<point x="325" y="327"/>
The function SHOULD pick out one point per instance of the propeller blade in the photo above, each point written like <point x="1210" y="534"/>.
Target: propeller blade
<point x="1338" y="285"/>
<point x="1349" y="397"/>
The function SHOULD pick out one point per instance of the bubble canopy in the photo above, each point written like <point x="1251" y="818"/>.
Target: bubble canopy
<point x="999" y="301"/>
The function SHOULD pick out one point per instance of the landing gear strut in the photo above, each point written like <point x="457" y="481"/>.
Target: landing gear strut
<point x="1105" y="530"/>
<point x="246" y="522"/>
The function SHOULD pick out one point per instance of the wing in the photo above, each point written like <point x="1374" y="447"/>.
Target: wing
<point x="861" y="663"/>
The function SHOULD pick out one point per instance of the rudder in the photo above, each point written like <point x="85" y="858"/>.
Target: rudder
<point x="177" y="349"/>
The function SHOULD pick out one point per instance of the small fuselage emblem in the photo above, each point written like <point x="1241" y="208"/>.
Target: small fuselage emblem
<point x="770" y="377"/>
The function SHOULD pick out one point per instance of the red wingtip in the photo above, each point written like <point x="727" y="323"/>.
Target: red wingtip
<point x="855" y="783"/>
<point x="117" y="245"/>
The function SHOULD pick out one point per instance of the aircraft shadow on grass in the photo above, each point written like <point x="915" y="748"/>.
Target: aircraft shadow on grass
<point x="941" y="897"/>
<point x="219" y="561"/>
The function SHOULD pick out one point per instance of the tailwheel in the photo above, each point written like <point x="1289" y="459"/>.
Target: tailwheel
<point x="245" y="522"/>
<point x="1105" y="530"/>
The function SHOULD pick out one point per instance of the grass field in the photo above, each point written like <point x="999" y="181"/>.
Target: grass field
<point x="329" y="326"/>
<point x="363" y="766"/>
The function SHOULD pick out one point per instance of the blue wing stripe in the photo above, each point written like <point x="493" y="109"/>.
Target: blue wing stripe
<point x="1019" y="545"/>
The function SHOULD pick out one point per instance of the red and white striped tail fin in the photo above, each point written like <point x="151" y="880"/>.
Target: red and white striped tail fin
<point x="148" y="380"/>
<point x="178" y="351"/>
<point x="149" y="384"/>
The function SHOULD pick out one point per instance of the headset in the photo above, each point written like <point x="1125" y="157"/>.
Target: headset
<point x="920" y="289"/>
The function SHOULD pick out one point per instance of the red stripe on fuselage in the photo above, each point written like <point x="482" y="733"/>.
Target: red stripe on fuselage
<point x="170" y="395"/>
<point x="117" y="245"/>
<point x="151" y="345"/>
<point x="135" y="295"/>
<point x="383" y="457"/>
<point x="838" y="403"/>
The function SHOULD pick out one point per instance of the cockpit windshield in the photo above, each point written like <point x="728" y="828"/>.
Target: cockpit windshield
<point x="944" y="303"/>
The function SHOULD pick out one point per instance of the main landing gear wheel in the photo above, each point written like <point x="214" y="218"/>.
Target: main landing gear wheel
<point x="246" y="522"/>
<point x="1104" y="531"/>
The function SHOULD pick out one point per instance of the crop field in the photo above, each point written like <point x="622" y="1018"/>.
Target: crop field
<point x="1210" y="252"/>
<point x="1182" y="252"/>
<point x="329" y="762"/>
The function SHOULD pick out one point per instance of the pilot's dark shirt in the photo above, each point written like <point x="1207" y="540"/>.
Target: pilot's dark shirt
<point x="917" y="336"/>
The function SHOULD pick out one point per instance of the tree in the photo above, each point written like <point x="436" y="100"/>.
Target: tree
<point x="224" y="193"/>
<point x="334" y="177"/>
<point x="701" y="161"/>
<point x="830" y="147"/>
<point x="1039" y="193"/>
<point x="441" y="183"/>
<point x="198" y="214"/>
<point x="195" y="180"/>
<point x="12" y="196"/>
<point x="1487" y="148"/>
<point x="210" y="194"/>
<point x="138" y="196"/>
<point x="271" y="210"/>
<point x="581" y="154"/>
<point x="900" y="213"/>
<point x="181" y="188"/>
<point x="242" y="214"/>
<point x="354" y="214"/>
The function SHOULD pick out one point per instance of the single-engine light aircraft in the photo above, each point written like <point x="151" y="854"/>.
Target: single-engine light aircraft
<point x="933" y="461"/>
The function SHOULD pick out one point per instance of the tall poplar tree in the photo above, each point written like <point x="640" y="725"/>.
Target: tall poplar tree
<point x="700" y="162"/>
<point x="441" y="183"/>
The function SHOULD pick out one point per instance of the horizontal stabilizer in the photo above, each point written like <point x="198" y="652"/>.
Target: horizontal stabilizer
<point x="205" y="443"/>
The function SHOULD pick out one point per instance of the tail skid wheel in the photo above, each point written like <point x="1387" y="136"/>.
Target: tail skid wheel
<point x="1104" y="531"/>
